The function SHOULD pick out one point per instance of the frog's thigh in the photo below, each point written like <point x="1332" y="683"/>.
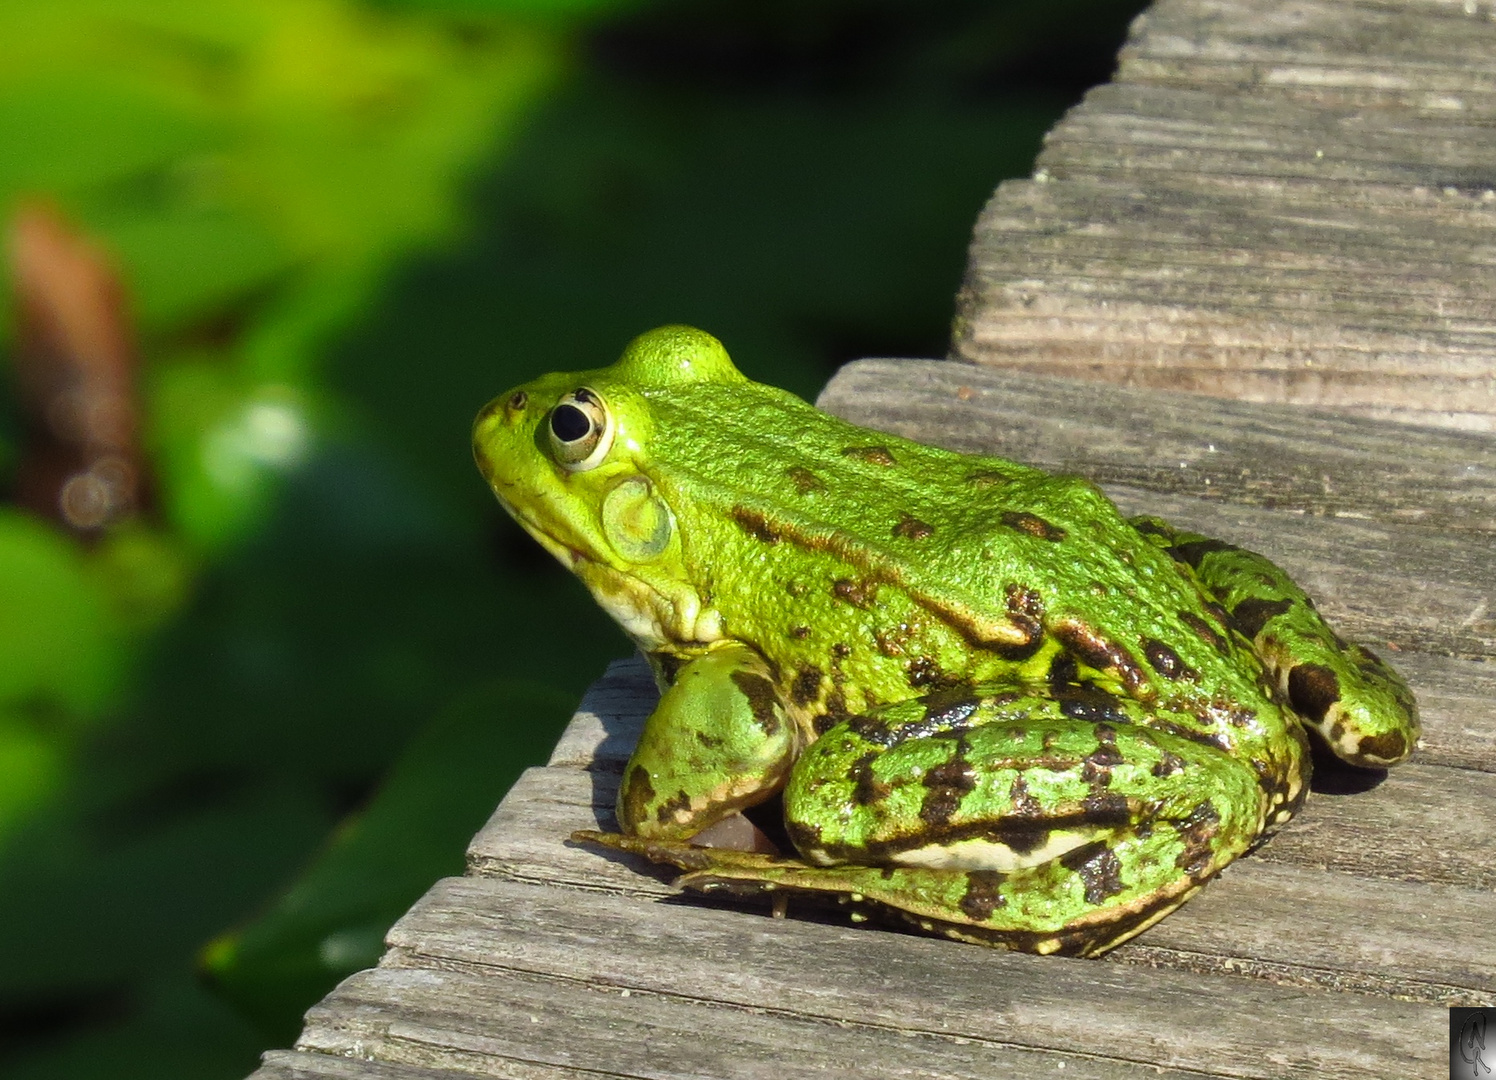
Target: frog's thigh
<point x="1350" y="696"/>
<point x="1047" y="835"/>
<point x="718" y="741"/>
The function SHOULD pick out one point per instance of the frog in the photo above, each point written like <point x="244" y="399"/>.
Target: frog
<point x="978" y="699"/>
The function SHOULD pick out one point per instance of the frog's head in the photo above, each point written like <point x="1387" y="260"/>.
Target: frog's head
<point x="568" y="456"/>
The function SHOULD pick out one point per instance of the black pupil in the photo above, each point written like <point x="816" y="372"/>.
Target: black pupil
<point x="569" y="423"/>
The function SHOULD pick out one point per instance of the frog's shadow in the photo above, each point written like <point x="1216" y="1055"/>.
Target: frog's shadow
<point x="1332" y="776"/>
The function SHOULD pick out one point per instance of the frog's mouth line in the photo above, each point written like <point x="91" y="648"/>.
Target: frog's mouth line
<point x="647" y="614"/>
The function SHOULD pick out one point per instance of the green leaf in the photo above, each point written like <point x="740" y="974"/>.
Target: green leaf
<point x="59" y="648"/>
<point x="331" y="923"/>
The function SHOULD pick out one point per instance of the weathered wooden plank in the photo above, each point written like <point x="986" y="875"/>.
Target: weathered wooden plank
<point x="1285" y="201"/>
<point x="302" y="1065"/>
<point x="901" y="984"/>
<point x="483" y="1012"/>
<point x="1261" y="455"/>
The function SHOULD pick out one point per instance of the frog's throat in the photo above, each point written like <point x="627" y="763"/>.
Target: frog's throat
<point x="653" y="615"/>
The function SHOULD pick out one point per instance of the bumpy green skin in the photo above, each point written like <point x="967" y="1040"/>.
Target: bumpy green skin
<point x="994" y="707"/>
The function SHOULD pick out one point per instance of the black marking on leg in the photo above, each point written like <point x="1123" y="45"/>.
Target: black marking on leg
<point x="1251" y="616"/>
<point x="1197" y="831"/>
<point x="762" y="699"/>
<point x="868" y="788"/>
<point x="1312" y="689"/>
<point x="640" y="794"/>
<point x="1099" y="868"/>
<point x="667" y="810"/>
<point x="1387" y="747"/>
<point x="945" y="786"/>
<point x="1194" y="551"/>
<point x="983" y="895"/>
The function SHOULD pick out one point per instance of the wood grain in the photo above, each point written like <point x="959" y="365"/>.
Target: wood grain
<point x="1291" y="201"/>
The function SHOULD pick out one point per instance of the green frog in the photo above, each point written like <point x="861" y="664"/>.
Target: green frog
<point x="988" y="703"/>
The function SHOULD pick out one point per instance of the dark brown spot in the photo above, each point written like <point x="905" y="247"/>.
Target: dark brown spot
<point x="868" y="788"/>
<point x="987" y="478"/>
<point x="800" y="633"/>
<point x="1106" y="755"/>
<point x="518" y="400"/>
<point x="841" y="650"/>
<point x="1032" y="524"/>
<point x="923" y="672"/>
<point x="1026" y="613"/>
<point x="1062" y="670"/>
<point x="761" y="699"/>
<point x="1103" y="807"/>
<point x="946" y="711"/>
<point x="1021" y="801"/>
<point x="804" y="480"/>
<point x="1166" y="662"/>
<point x="1195" y="551"/>
<point x="870" y="728"/>
<point x="912" y="528"/>
<point x="1197" y="831"/>
<point x="807" y="685"/>
<point x="804" y="836"/>
<point x="860" y="594"/>
<point x="755" y="524"/>
<point x="1168" y="764"/>
<point x="637" y="799"/>
<point x="1251" y="616"/>
<point x="945" y="786"/>
<point x="1205" y="630"/>
<point x="1096" y="651"/>
<point x="1387" y="747"/>
<point x="1099" y="868"/>
<point x="983" y="894"/>
<point x="711" y="742"/>
<point x="873" y="455"/>
<point x="1019" y="835"/>
<point x="1312" y="689"/>
<point x="680" y="801"/>
<point x="1102" y="874"/>
<point x="824" y="723"/>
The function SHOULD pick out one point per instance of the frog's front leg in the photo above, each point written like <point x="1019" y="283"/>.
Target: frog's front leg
<point x="718" y="741"/>
<point x="1011" y="823"/>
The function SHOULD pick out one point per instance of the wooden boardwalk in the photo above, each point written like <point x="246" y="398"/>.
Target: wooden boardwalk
<point x="1332" y="951"/>
<point x="1275" y="200"/>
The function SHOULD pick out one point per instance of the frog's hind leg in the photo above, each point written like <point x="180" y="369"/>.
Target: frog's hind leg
<point x="1350" y="696"/>
<point x="1030" y="830"/>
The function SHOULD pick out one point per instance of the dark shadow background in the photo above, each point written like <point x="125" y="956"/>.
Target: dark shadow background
<point x="350" y="685"/>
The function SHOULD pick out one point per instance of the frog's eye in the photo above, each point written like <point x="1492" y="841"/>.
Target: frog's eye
<point x="581" y="431"/>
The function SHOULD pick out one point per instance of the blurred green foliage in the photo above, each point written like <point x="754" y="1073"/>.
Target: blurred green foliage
<point x="264" y="717"/>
